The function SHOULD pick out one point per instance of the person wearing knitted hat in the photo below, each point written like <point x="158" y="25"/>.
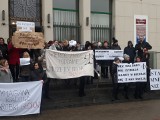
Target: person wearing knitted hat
<point x="115" y="45"/>
<point x="126" y="85"/>
<point x="116" y="85"/>
<point x="105" y="63"/>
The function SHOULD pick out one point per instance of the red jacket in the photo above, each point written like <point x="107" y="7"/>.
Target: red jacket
<point x="14" y="54"/>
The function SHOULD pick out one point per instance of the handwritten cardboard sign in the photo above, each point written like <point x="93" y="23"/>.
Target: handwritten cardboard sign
<point x="30" y="40"/>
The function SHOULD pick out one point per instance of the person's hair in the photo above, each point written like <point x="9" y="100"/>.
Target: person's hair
<point x="2" y="62"/>
<point x="65" y="43"/>
<point x="39" y="64"/>
<point x="116" y="59"/>
<point x="26" y="55"/>
<point x="2" y="39"/>
<point x="138" y="57"/>
<point x="125" y="56"/>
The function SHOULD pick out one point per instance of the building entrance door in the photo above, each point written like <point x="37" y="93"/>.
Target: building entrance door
<point x="25" y="10"/>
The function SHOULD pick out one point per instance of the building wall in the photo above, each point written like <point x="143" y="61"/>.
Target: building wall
<point x="4" y="28"/>
<point x="47" y="8"/>
<point x="124" y="20"/>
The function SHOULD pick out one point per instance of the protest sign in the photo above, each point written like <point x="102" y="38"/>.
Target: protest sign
<point x="25" y="26"/>
<point x="108" y="54"/>
<point x="155" y="79"/>
<point x="30" y="40"/>
<point x="21" y="98"/>
<point x="64" y="65"/>
<point x="72" y="43"/>
<point x="24" y="61"/>
<point x="132" y="72"/>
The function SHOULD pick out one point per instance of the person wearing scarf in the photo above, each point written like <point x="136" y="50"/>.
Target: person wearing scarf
<point x="5" y="74"/>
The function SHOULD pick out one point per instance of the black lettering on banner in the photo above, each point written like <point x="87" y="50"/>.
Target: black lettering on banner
<point x="155" y="79"/>
<point x="155" y="86"/>
<point x="144" y="66"/>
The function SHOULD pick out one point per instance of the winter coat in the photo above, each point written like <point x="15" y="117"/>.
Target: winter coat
<point x="25" y="70"/>
<point x="4" y="50"/>
<point x="105" y="63"/>
<point x="5" y="77"/>
<point x="38" y="74"/>
<point x="13" y="54"/>
<point x="140" y="46"/>
<point x="131" y="52"/>
<point x="115" y="47"/>
<point x="114" y="73"/>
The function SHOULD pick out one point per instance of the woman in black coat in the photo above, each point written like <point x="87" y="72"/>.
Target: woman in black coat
<point x="39" y="74"/>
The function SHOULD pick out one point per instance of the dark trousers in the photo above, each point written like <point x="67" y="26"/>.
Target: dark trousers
<point x="116" y="90"/>
<point x="104" y="71"/>
<point x="46" y="88"/>
<point x="81" y="86"/>
<point x="14" y="71"/>
<point x="139" y="89"/>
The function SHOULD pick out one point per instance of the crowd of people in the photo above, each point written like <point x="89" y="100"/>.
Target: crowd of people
<point x="11" y="71"/>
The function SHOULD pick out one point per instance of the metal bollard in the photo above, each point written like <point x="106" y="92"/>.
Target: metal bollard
<point x="95" y="91"/>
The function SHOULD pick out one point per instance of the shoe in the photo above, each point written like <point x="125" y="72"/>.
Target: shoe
<point x="141" y="97"/>
<point x="126" y="97"/>
<point x="82" y="95"/>
<point x="135" y="96"/>
<point x="116" y="98"/>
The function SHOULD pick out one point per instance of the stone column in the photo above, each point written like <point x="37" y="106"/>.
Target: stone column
<point x="47" y="19"/>
<point x="4" y="24"/>
<point x="85" y="20"/>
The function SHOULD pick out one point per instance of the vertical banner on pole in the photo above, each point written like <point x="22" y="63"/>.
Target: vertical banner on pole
<point x="140" y="27"/>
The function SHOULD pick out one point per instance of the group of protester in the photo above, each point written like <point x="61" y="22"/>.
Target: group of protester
<point x="11" y="71"/>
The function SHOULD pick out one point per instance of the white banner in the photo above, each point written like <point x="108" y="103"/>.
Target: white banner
<point x="20" y="98"/>
<point x="155" y="79"/>
<point x="64" y="65"/>
<point x="140" y="27"/>
<point x="132" y="72"/>
<point x="24" y="61"/>
<point x="108" y="54"/>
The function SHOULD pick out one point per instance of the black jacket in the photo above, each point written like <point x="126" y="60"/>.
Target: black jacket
<point x="130" y="50"/>
<point x="140" y="46"/>
<point x="4" y="49"/>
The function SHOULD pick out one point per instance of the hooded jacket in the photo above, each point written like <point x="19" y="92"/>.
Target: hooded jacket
<point x="130" y="50"/>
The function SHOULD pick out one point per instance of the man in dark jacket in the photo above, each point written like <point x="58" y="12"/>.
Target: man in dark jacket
<point x="130" y="50"/>
<point x="115" y="45"/>
<point x="142" y="46"/>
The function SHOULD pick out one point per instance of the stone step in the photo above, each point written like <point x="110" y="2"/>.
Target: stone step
<point x="68" y="97"/>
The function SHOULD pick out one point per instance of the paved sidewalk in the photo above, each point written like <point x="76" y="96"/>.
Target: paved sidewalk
<point x="140" y="110"/>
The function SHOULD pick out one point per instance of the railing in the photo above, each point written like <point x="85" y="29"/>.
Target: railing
<point x="100" y="22"/>
<point x="100" y="33"/>
<point x="96" y="88"/>
<point x="66" y="24"/>
<point x="66" y="31"/>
